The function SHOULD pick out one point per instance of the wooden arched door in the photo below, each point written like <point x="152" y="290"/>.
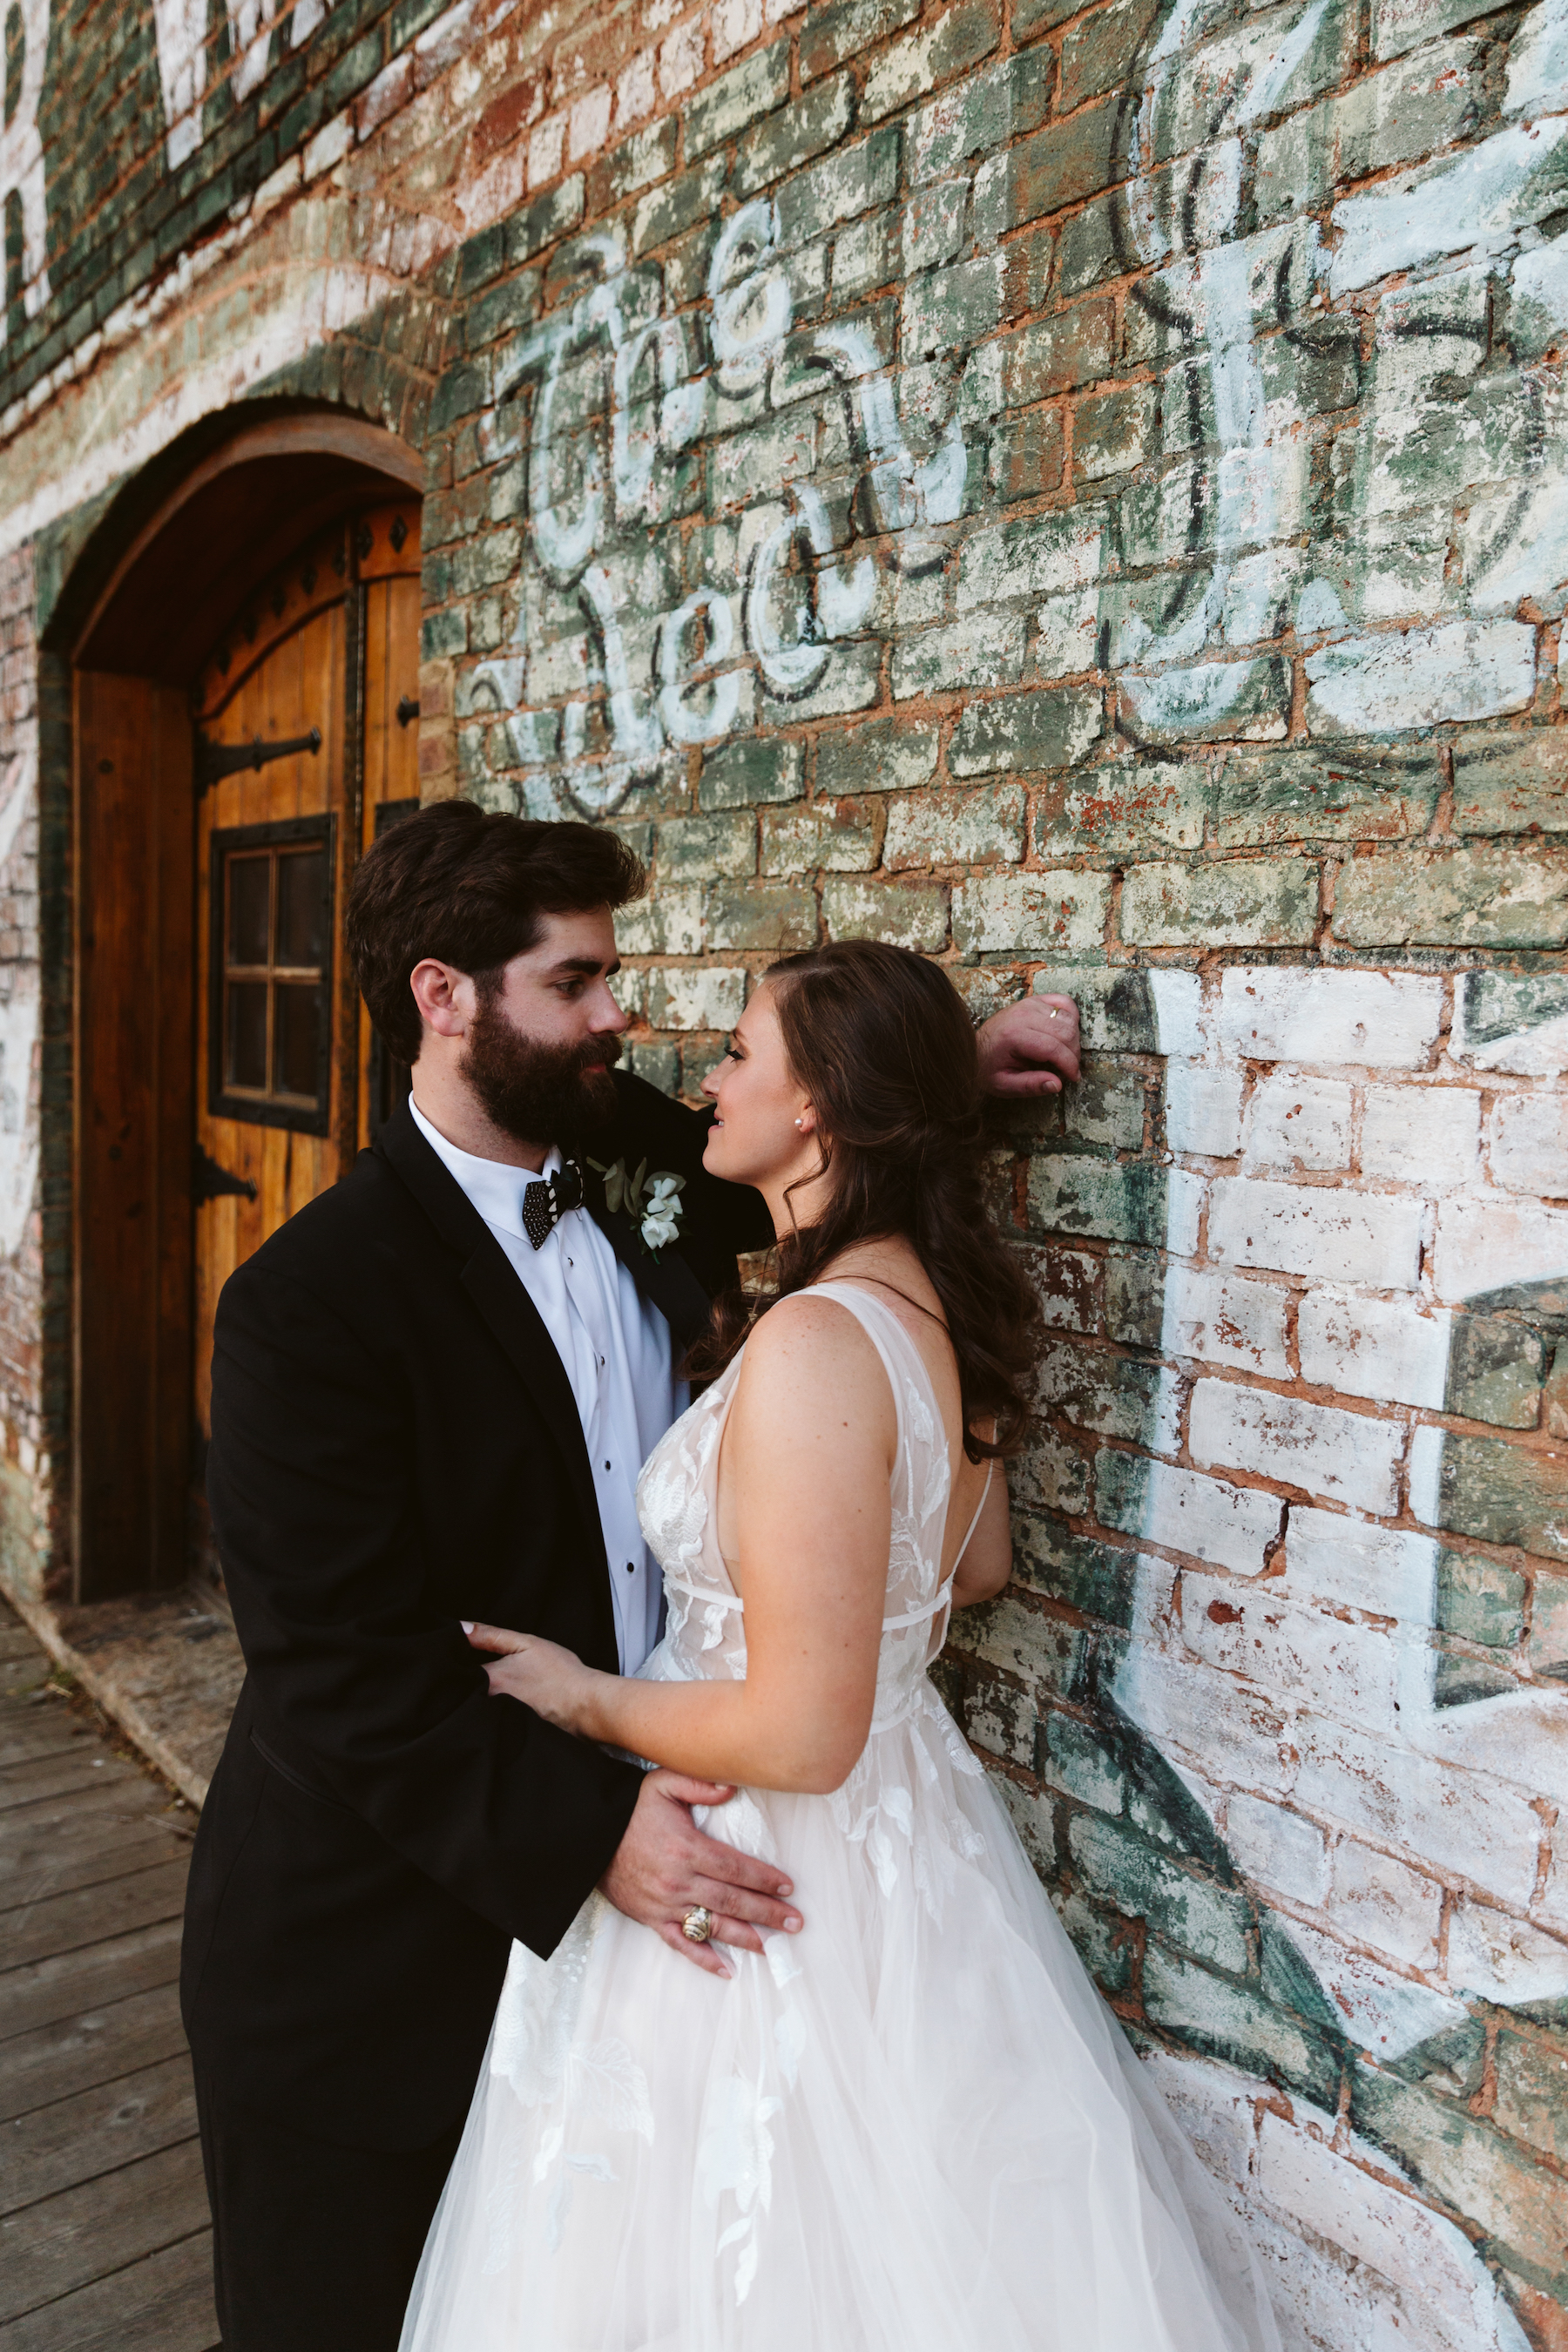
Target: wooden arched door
<point x="305" y="747"/>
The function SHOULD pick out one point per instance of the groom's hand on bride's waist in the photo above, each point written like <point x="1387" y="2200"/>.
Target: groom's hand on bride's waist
<point x="665" y="1868"/>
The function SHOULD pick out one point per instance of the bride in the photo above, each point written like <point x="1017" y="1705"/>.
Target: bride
<point x="912" y="2127"/>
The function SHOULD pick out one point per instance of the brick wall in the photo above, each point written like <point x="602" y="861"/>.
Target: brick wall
<point x="1080" y="492"/>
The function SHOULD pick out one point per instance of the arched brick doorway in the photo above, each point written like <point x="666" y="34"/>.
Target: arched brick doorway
<point x="244" y="688"/>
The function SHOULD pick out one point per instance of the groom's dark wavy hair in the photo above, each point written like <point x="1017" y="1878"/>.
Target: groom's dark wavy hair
<point x="472" y="889"/>
<point x="879" y="1039"/>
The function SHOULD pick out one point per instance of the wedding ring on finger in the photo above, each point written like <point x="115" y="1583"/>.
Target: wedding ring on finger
<point x="698" y="1924"/>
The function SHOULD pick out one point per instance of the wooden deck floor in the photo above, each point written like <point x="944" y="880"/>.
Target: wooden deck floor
<point x="104" y="2241"/>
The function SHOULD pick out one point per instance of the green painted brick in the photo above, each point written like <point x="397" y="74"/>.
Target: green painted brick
<point x="1102" y="1943"/>
<point x="854" y="179"/>
<point x="1024" y="457"/>
<point x="882" y="756"/>
<point x="1481" y="896"/>
<point x="1235" y="2023"/>
<point x="912" y="67"/>
<point x="1512" y="782"/>
<point x="697" y="848"/>
<point x="1479" y="1599"/>
<point x="754" y="768"/>
<point x="1100" y="50"/>
<point x="906" y="914"/>
<point x="1072" y="1192"/>
<point x="1048" y="728"/>
<point x="835" y="33"/>
<point x="1072" y="1757"/>
<point x="1084" y="1573"/>
<point x="1268" y="797"/>
<point x="1519" y="2208"/>
<point x="809" y="126"/>
<point x="830" y="837"/>
<point x="1504" y="1494"/>
<point x="444" y="633"/>
<point x="1115" y="1865"/>
<point x="639" y="162"/>
<point x="1496" y="1367"/>
<point x="736" y="100"/>
<point x="779" y="916"/>
<point x="1252" y="902"/>
<point x="962" y="828"/>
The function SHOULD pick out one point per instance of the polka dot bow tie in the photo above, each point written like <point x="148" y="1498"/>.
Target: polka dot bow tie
<point x="546" y="1200"/>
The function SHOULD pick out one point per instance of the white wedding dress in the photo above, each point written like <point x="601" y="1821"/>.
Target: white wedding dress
<point x="912" y="2128"/>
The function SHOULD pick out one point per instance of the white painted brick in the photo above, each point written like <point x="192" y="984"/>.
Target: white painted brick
<point x="1504" y="1959"/>
<point x="1332" y="1234"/>
<point x="1487" y="1242"/>
<point x="1351" y="1564"/>
<point x="1278" y="1848"/>
<point x="1042" y="913"/>
<point x="1378" y="1901"/>
<point x="1217" y="1727"/>
<point x="1223" y="1319"/>
<point x="1349" y="1457"/>
<point x="1271" y="1013"/>
<point x="1300" y="1123"/>
<point x="1292" y="1653"/>
<point x="1203" y="1110"/>
<point x="1180" y="1509"/>
<point x="696" y="997"/>
<point x="1464" y="1823"/>
<point x="1529" y="1144"/>
<point x="1369" y="1347"/>
<point x="1384" y="2227"/>
<point x="1421" y="1135"/>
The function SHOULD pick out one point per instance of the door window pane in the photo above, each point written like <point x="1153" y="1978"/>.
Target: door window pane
<point x="301" y="906"/>
<point x="270" y="988"/>
<point x="297" y="1035"/>
<point x="249" y="909"/>
<point x="248" y="1034"/>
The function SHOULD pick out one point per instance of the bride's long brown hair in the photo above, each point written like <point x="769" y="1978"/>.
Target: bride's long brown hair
<point x="880" y="1041"/>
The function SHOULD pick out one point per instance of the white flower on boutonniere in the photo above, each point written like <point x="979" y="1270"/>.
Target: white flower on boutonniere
<point x="653" y="1200"/>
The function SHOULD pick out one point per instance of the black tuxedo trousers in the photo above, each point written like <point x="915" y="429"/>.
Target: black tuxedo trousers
<point x="394" y="1448"/>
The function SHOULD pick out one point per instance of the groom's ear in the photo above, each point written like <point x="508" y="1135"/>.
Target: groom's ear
<point x="444" y="995"/>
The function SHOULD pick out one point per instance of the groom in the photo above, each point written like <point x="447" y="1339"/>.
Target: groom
<point x="431" y="1392"/>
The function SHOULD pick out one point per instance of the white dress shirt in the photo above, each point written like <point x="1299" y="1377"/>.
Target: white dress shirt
<point x="615" y="1347"/>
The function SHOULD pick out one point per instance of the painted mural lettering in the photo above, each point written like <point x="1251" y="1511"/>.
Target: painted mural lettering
<point x="616" y="398"/>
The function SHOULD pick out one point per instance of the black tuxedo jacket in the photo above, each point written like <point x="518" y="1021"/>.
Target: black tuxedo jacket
<point x="396" y="1448"/>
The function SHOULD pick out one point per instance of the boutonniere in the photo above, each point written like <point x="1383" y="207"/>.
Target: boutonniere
<point x="653" y="1200"/>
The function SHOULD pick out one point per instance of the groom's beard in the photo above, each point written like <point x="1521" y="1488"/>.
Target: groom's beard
<point x="539" y="1093"/>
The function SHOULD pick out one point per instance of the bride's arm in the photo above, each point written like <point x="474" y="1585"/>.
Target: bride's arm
<point x="808" y="1448"/>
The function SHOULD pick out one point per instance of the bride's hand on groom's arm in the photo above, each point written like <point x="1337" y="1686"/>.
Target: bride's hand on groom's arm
<point x="664" y="1867"/>
<point x="553" y="1682"/>
<point x="1030" y="1048"/>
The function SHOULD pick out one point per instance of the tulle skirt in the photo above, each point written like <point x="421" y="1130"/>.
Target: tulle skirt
<point x="912" y="2128"/>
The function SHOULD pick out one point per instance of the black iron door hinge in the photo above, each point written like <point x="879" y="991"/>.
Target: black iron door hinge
<point x="210" y="1182"/>
<point x="216" y="761"/>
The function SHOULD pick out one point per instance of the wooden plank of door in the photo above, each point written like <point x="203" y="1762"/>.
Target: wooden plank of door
<point x="132" y="1195"/>
<point x="296" y="686"/>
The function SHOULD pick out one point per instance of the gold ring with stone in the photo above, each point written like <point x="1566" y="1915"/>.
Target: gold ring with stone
<point x="698" y="1924"/>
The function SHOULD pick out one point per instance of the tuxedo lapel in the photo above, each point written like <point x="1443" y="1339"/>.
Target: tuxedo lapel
<point x="501" y="1297"/>
<point x="662" y="1277"/>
